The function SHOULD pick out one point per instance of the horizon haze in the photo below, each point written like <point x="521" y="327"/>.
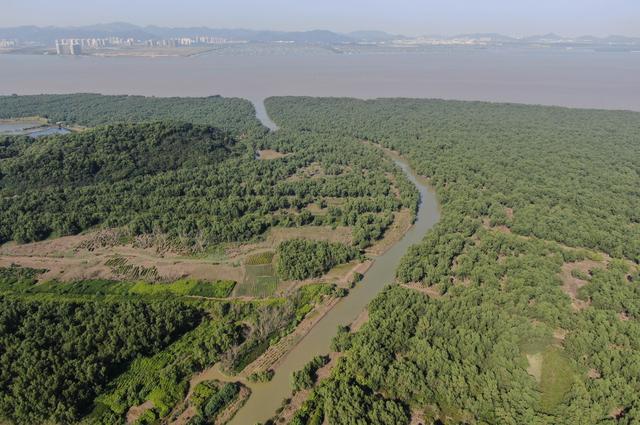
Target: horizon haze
<point x="524" y="18"/>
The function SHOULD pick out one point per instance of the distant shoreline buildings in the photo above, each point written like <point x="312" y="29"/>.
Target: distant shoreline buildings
<point x="8" y="44"/>
<point x="68" y="47"/>
<point x="75" y="46"/>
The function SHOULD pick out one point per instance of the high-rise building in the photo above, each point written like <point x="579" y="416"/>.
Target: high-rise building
<point x="75" y="49"/>
<point x="68" y="47"/>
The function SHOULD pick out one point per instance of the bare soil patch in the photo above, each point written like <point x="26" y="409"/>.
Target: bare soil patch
<point x="509" y="213"/>
<point x="58" y="247"/>
<point x="560" y="334"/>
<point x="571" y="285"/>
<point x="594" y="374"/>
<point x="417" y="418"/>
<point x="136" y="411"/>
<point x="322" y="233"/>
<point x="617" y="412"/>
<point x="431" y="291"/>
<point x="362" y="318"/>
<point x="184" y="417"/>
<point x="267" y="154"/>
<point x="343" y="274"/>
<point x="501" y="228"/>
<point x="77" y="257"/>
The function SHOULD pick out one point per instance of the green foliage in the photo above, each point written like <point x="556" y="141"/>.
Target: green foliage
<point x="218" y="289"/>
<point x="218" y="401"/>
<point x="15" y="278"/>
<point x="305" y="378"/>
<point x="190" y="182"/>
<point x="231" y="114"/>
<point x="357" y="277"/>
<point x="342" y="292"/>
<point x="65" y="184"/>
<point x="558" y="169"/>
<point x="212" y="397"/>
<point x="113" y="153"/>
<point x="261" y="376"/>
<point x="202" y="392"/>
<point x="164" y="378"/>
<point x="300" y="259"/>
<point x="18" y="280"/>
<point x="553" y="178"/>
<point x="350" y="403"/>
<point x="261" y="258"/>
<point x="342" y="340"/>
<point x="557" y="379"/>
<point x="259" y="281"/>
<point x="57" y="356"/>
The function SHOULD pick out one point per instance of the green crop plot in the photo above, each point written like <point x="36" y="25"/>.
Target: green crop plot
<point x="260" y="281"/>
<point x="261" y="258"/>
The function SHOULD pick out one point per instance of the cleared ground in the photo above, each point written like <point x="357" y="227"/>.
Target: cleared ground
<point x="267" y="154"/>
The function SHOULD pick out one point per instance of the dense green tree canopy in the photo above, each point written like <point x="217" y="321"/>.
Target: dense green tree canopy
<point x="231" y="114"/>
<point x="526" y="192"/>
<point x="56" y="356"/>
<point x="300" y="259"/>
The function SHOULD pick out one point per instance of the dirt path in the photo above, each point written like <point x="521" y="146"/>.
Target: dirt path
<point x="431" y="291"/>
<point x="135" y="412"/>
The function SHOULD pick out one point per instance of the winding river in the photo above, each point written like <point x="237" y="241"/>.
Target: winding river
<point x="267" y="397"/>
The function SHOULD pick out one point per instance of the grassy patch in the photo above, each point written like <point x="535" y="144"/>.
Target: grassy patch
<point x="260" y="281"/>
<point x="551" y="369"/>
<point x="23" y="281"/>
<point x="85" y="287"/>
<point x="18" y="279"/>
<point x="163" y="378"/>
<point x="261" y="258"/>
<point x="556" y="380"/>
<point x="310" y="295"/>
<point x="218" y="289"/>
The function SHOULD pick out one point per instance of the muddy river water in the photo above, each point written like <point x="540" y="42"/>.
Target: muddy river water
<point x="267" y="397"/>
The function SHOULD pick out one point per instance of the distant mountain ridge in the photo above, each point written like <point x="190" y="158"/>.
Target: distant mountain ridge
<point x="47" y="35"/>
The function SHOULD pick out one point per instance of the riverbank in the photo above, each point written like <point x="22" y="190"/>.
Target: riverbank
<point x="267" y="397"/>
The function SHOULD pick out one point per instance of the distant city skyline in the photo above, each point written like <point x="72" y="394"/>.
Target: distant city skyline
<point x="407" y="17"/>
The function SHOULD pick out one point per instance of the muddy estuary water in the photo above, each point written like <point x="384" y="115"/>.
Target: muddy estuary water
<point x="267" y="397"/>
<point x="608" y="80"/>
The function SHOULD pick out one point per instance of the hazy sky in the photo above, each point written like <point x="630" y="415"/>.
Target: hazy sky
<point x="411" y="17"/>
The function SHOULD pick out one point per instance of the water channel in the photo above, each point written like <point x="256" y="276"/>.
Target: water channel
<point x="267" y="397"/>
